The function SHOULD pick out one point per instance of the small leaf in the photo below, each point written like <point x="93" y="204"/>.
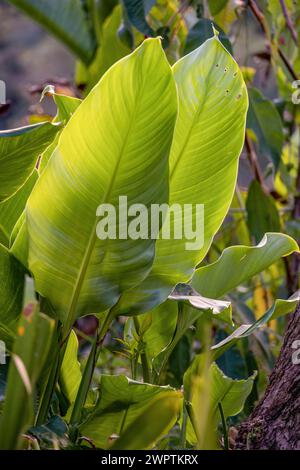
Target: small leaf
<point x="264" y="119"/>
<point x="137" y="11"/>
<point x="262" y="213"/>
<point x="202" y="31"/>
<point x="221" y="309"/>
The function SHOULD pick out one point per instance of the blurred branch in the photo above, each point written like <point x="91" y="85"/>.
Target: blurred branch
<point x="261" y="20"/>
<point x="253" y="160"/>
<point x="289" y="22"/>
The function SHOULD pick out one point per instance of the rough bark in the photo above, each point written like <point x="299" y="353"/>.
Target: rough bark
<point x="275" y="422"/>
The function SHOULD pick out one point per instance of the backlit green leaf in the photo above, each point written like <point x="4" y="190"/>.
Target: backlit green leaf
<point x="132" y="108"/>
<point x="242" y="263"/>
<point x="208" y="139"/>
<point x="19" y="152"/>
<point x="121" y="402"/>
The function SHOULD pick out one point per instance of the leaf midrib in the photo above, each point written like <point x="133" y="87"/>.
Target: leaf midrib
<point x="93" y="237"/>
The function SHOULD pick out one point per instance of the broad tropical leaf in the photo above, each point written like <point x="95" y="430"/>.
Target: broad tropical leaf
<point x="121" y="401"/>
<point x="208" y="139"/>
<point x="66" y="20"/>
<point x="242" y="262"/>
<point x="19" y="152"/>
<point x="152" y="424"/>
<point x="133" y="107"/>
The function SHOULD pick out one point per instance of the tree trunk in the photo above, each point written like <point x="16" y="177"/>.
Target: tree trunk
<point x="275" y="422"/>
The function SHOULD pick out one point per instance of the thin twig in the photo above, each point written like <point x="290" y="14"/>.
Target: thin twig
<point x="261" y="20"/>
<point x="253" y="160"/>
<point x="289" y="22"/>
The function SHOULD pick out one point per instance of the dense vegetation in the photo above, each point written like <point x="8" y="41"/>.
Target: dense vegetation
<point x="144" y="343"/>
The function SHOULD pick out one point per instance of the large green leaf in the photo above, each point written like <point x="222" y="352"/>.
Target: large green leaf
<point x="11" y="289"/>
<point x="121" y="401"/>
<point x="30" y="352"/>
<point x="279" y="308"/>
<point x="117" y="143"/>
<point x="19" y="151"/>
<point x="237" y="264"/>
<point x="152" y="424"/>
<point x="208" y="139"/>
<point x="264" y="119"/>
<point x="262" y="213"/>
<point x="66" y="19"/>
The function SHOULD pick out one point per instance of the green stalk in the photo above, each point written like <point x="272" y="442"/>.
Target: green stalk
<point x="225" y="433"/>
<point x="145" y="368"/>
<point x="144" y="359"/>
<point x="89" y="369"/>
<point x="183" y="427"/>
<point x="51" y="384"/>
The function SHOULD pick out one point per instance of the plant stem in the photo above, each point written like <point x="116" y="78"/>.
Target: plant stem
<point x="89" y="368"/>
<point x="289" y="22"/>
<point x="145" y="367"/>
<point x="183" y="427"/>
<point x="225" y="433"/>
<point x="253" y="160"/>
<point x="144" y="359"/>
<point x="51" y="384"/>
